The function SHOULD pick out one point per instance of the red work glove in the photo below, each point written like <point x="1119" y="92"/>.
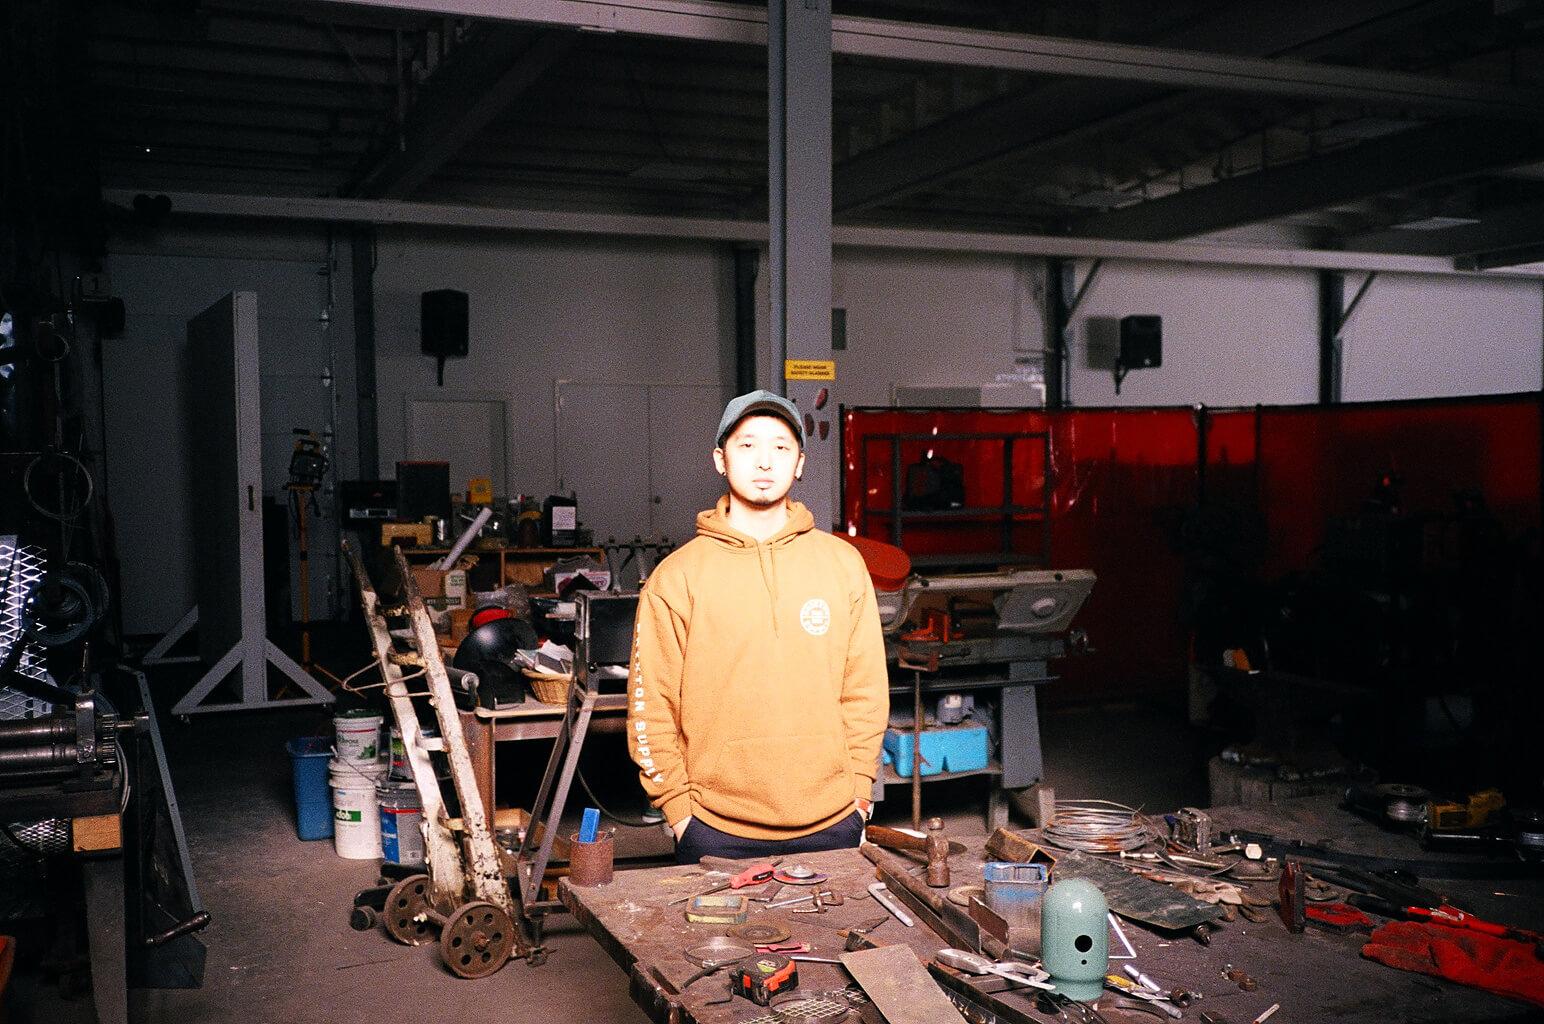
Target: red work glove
<point x="1503" y="966"/>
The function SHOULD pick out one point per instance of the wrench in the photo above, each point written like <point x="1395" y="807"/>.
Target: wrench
<point x="972" y="963"/>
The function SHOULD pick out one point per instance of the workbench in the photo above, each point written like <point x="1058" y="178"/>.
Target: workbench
<point x="1316" y="976"/>
<point x="646" y="938"/>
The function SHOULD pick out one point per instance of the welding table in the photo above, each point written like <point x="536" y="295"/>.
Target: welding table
<point x="630" y="920"/>
<point x="1315" y="976"/>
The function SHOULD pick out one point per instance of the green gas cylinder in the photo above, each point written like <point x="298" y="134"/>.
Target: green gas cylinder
<point x="1075" y="938"/>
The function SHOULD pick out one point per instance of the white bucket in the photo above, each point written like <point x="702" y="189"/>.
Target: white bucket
<point x="357" y="737"/>
<point x="356" y="820"/>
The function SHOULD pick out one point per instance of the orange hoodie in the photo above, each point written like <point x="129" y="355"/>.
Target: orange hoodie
<point x="759" y="692"/>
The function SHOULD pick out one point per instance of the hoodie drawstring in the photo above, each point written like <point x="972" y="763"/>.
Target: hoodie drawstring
<point x="769" y="576"/>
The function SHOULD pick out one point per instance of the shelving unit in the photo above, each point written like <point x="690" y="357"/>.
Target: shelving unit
<point x="515" y="565"/>
<point x="1007" y="515"/>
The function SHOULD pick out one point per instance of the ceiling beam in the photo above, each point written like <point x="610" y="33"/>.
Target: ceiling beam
<point x="1513" y="257"/>
<point x="473" y="87"/>
<point x="1420" y="156"/>
<point x="1052" y="114"/>
<point x="1500" y="228"/>
<point x="710" y="21"/>
<point x="442" y="215"/>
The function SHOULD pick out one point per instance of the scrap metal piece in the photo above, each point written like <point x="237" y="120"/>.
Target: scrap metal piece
<point x="1293" y="879"/>
<point x="815" y="1009"/>
<point x="717" y="909"/>
<point x="898" y="985"/>
<point x="1135" y="898"/>
<point x="881" y="894"/>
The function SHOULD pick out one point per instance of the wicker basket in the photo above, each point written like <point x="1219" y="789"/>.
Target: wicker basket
<point x="548" y="687"/>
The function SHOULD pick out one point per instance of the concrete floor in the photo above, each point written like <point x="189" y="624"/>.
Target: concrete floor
<point x="280" y="949"/>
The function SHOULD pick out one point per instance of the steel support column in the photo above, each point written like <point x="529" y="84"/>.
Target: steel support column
<point x="362" y="268"/>
<point x="799" y="204"/>
<point x="1332" y="297"/>
<point x="747" y="263"/>
<point x="1060" y="286"/>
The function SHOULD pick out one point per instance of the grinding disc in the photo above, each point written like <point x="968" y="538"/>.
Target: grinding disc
<point x="798" y="874"/>
<point x="759" y="933"/>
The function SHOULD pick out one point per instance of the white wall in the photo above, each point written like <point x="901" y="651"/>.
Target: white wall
<point x="1444" y="336"/>
<point x="543" y="309"/>
<point x="933" y="320"/>
<point x="1231" y="335"/>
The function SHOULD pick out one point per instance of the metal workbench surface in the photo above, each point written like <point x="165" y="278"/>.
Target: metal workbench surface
<point x="1316" y="976"/>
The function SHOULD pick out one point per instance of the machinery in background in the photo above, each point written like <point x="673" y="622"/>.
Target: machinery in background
<point x="974" y="647"/>
<point x="85" y="792"/>
<point x="89" y="828"/>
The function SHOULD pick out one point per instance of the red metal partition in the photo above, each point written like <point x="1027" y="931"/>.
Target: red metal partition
<point x="1128" y="492"/>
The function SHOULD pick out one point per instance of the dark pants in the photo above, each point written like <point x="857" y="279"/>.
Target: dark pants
<point x="703" y="840"/>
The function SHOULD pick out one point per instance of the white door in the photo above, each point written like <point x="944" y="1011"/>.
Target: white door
<point x="470" y="430"/>
<point x="603" y="456"/>
<point x="639" y="456"/>
<point x="683" y="482"/>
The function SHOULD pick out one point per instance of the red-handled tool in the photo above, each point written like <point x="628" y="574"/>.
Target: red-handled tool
<point x="753" y="875"/>
<point x="1448" y="915"/>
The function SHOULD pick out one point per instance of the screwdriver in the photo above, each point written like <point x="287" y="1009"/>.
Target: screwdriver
<point x="753" y="875"/>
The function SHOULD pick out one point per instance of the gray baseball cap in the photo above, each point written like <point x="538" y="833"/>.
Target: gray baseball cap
<point x="763" y="403"/>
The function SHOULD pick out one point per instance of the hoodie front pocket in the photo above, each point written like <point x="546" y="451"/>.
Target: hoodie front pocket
<point x="780" y="781"/>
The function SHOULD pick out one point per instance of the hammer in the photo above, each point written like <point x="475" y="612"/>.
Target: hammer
<point x="937" y="846"/>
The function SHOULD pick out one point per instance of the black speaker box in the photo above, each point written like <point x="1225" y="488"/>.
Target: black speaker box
<point x="423" y="489"/>
<point x="1141" y="342"/>
<point x="443" y="323"/>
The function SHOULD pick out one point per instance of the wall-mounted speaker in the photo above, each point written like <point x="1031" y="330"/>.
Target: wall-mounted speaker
<point x="443" y="326"/>
<point x="1141" y="342"/>
<point x="1141" y="346"/>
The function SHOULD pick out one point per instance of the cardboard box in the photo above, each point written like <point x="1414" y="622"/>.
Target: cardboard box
<point x="409" y="535"/>
<point x="430" y="581"/>
<point x="479" y="491"/>
<point x="443" y="589"/>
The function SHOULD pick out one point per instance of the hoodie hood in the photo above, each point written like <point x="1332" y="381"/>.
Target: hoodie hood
<point x="713" y="523"/>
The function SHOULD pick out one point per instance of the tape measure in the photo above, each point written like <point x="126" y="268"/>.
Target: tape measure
<point x="759" y="978"/>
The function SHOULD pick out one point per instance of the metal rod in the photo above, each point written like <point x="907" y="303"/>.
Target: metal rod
<point x="881" y="894"/>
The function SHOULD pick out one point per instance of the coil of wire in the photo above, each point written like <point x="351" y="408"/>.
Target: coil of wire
<point x="1098" y="826"/>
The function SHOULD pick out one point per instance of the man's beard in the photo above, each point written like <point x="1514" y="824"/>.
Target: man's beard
<point x="762" y="504"/>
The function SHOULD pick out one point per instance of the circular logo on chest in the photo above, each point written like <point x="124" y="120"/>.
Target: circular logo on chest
<point x="815" y="616"/>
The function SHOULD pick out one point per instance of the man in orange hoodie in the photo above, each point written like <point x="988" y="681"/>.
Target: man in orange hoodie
<point x="759" y="692"/>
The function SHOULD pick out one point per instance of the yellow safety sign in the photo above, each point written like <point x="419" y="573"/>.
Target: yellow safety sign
<point x="809" y="369"/>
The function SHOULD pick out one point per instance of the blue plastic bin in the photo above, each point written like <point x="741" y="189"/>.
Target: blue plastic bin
<point x="313" y="800"/>
<point x="945" y="748"/>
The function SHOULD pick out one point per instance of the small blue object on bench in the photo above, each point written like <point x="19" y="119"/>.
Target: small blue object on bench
<point x="945" y="748"/>
<point x="589" y="824"/>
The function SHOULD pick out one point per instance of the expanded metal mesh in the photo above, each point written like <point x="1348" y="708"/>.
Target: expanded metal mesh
<point x="21" y="570"/>
<point x="24" y="867"/>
